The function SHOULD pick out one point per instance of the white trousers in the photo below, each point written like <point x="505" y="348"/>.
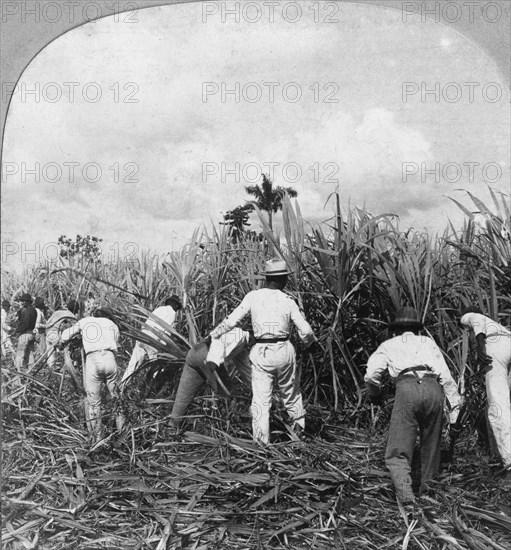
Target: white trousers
<point x="7" y="346"/>
<point x="52" y="339"/>
<point x="498" y="389"/>
<point x="100" y="370"/>
<point x="274" y="363"/>
<point x="25" y="351"/>
<point x="138" y="355"/>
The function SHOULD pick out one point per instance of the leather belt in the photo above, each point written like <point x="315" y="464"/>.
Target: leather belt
<point x="271" y="340"/>
<point x="428" y="372"/>
<point x="418" y="368"/>
<point x="98" y="350"/>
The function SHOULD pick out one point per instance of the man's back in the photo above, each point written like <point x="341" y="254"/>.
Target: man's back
<point x="98" y="333"/>
<point x="27" y="317"/>
<point x="408" y="350"/>
<point x="481" y="324"/>
<point x="272" y="312"/>
<point x="166" y="313"/>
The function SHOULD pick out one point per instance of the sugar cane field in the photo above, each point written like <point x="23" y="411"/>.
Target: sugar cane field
<point x="211" y="486"/>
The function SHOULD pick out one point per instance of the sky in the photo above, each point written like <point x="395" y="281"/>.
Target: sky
<point x="130" y="135"/>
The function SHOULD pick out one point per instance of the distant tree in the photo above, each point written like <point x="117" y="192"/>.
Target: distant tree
<point x="237" y="220"/>
<point x="269" y="198"/>
<point x="87" y="248"/>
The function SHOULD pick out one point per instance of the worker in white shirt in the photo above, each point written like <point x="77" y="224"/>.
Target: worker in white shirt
<point x="273" y="356"/>
<point x="493" y="343"/>
<point x="205" y="361"/>
<point x="7" y="346"/>
<point x="40" y="326"/>
<point x="56" y="324"/>
<point x="417" y="367"/>
<point x="100" y="337"/>
<point x="167" y="313"/>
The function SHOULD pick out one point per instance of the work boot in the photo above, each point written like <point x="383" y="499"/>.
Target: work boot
<point x="410" y="511"/>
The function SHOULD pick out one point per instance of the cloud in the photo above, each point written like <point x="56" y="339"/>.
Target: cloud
<point x="152" y="151"/>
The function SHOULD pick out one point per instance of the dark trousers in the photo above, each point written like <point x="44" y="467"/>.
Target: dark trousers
<point x="418" y="408"/>
<point x="190" y="382"/>
<point x="189" y="385"/>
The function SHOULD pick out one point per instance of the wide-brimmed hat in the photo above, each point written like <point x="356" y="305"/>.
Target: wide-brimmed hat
<point x="406" y="317"/>
<point x="26" y="298"/>
<point x="275" y="268"/>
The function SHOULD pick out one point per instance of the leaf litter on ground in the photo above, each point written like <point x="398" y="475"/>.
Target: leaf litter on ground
<point x="212" y="487"/>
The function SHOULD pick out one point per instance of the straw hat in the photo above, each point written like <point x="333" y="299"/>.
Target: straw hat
<point x="275" y="268"/>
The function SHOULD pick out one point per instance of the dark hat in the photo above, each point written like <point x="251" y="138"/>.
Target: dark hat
<point x="174" y="301"/>
<point x="26" y="298"/>
<point x="73" y="306"/>
<point x="406" y="317"/>
<point x="104" y="311"/>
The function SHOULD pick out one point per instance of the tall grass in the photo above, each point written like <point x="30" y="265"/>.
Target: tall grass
<point x="350" y="274"/>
